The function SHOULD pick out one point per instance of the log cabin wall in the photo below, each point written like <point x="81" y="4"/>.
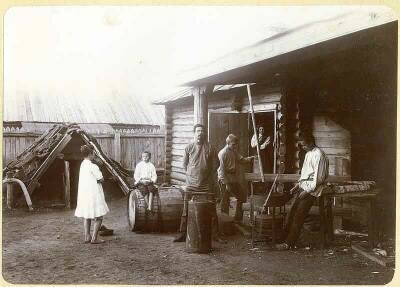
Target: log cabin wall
<point x="179" y="123"/>
<point x="335" y="141"/>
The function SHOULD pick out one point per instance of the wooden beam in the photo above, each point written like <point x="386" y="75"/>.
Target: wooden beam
<point x="45" y="165"/>
<point x="376" y="258"/>
<point x="269" y="177"/>
<point x="10" y="195"/>
<point x="67" y="185"/>
<point x="200" y="105"/>
<point x="117" y="147"/>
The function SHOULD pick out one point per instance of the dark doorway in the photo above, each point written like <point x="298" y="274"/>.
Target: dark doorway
<point x="266" y="120"/>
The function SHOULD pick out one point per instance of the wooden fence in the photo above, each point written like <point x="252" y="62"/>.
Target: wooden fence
<point x="123" y="146"/>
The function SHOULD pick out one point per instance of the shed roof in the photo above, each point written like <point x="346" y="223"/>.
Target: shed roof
<point x="308" y="34"/>
<point x="185" y="92"/>
<point x="32" y="107"/>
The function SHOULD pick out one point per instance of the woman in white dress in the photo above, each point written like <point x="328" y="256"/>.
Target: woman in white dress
<point x="91" y="204"/>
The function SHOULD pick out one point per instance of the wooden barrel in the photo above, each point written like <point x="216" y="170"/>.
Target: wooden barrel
<point x="198" y="239"/>
<point x="166" y="215"/>
<point x="171" y="207"/>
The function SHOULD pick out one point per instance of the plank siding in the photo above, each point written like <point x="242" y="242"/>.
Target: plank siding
<point x="181" y="132"/>
<point x="333" y="139"/>
<point x="131" y="147"/>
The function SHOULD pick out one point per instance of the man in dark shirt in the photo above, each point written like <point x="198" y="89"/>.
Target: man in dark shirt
<point x="199" y="163"/>
<point x="229" y="175"/>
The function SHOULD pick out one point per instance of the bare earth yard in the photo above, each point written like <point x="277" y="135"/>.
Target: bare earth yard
<point x="45" y="247"/>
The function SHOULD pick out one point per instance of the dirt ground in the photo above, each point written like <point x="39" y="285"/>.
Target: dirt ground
<point x="46" y="247"/>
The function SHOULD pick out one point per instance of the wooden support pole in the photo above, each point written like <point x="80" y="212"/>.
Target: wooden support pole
<point x="117" y="146"/>
<point x="10" y="195"/>
<point x="322" y="217"/>
<point x="200" y="105"/>
<point x="67" y="186"/>
<point x="255" y="133"/>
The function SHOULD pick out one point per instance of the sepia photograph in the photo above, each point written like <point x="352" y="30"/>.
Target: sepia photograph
<point x="199" y="144"/>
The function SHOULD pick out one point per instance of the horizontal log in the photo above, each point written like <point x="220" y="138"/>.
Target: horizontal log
<point x="183" y="115"/>
<point x="175" y="152"/>
<point x="178" y="176"/>
<point x="337" y="135"/>
<point x="179" y="146"/>
<point x="183" y="135"/>
<point x="337" y="151"/>
<point x="177" y="158"/>
<point x="177" y="182"/>
<point x="270" y="177"/>
<point x="333" y="142"/>
<point x="177" y="163"/>
<point x="183" y="121"/>
<point x="182" y="128"/>
<point x="178" y="170"/>
<point x="176" y="140"/>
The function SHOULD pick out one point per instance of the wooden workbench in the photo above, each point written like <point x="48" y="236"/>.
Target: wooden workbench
<point x="325" y="203"/>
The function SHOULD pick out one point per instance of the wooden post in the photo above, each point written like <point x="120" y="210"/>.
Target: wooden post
<point x="10" y="195"/>
<point x="117" y="146"/>
<point x="322" y="228"/>
<point x="67" y="186"/>
<point x="255" y="133"/>
<point x="200" y="105"/>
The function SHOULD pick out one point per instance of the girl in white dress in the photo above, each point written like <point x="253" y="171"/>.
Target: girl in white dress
<point x="91" y="204"/>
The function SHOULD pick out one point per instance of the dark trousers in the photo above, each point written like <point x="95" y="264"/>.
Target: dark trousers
<point x="145" y="189"/>
<point x="295" y="218"/>
<point x="233" y="189"/>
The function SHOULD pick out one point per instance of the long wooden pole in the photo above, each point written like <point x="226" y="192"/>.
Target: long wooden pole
<point x="255" y="132"/>
<point x="259" y="164"/>
<point x="67" y="187"/>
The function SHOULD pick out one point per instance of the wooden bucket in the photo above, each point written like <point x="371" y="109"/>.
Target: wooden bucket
<point x="166" y="215"/>
<point x="198" y="239"/>
<point x="263" y="223"/>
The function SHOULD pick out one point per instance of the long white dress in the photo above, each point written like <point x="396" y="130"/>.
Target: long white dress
<point x="90" y="202"/>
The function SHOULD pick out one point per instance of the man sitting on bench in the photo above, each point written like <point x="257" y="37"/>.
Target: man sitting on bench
<point x="313" y="174"/>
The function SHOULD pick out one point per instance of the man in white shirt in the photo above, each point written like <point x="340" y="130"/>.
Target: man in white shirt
<point x="310" y="185"/>
<point x="145" y="177"/>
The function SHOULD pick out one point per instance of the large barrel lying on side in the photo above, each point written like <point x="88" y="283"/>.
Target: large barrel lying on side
<point x="166" y="215"/>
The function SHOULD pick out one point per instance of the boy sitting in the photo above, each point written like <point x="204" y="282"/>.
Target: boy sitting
<point x="145" y="177"/>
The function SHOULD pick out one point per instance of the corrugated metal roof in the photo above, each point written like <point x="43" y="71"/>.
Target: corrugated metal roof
<point x="32" y="107"/>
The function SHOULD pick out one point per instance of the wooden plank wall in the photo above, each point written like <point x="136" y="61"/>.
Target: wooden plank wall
<point x="181" y="133"/>
<point x="15" y="145"/>
<point x="179" y="123"/>
<point x="131" y="147"/>
<point x="333" y="139"/>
